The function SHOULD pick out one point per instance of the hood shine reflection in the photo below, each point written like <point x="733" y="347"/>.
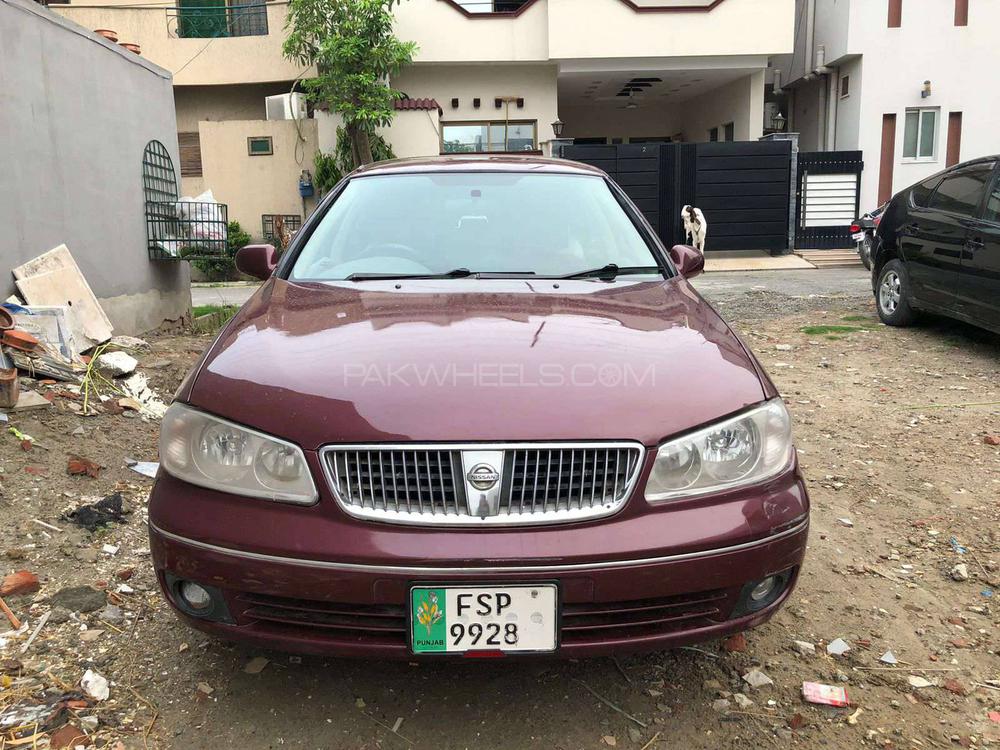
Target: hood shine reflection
<point x="471" y="360"/>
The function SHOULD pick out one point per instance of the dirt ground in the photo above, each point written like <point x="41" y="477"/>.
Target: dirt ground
<point x="892" y="428"/>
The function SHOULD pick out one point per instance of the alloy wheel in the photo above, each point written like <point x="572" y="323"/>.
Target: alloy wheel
<point x="889" y="293"/>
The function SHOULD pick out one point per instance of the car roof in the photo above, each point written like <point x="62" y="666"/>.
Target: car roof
<point x="477" y="163"/>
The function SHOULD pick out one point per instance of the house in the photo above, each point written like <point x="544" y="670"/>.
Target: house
<point x="78" y="115"/>
<point x="899" y="80"/>
<point x="489" y="75"/>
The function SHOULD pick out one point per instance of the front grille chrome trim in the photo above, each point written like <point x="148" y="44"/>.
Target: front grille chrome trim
<point x="518" y="507"/>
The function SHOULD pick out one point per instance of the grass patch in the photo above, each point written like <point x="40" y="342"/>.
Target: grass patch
<point x="858" y="318"/>
<point x="198" y="310"/>
<point x="826" y="330"/>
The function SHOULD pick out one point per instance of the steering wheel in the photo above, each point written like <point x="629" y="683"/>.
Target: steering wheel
<point x="389" y="249"/>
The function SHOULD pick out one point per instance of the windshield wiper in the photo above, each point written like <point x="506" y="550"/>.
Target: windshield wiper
<point x="610" y="272"/>
<point x="457" y="273"/>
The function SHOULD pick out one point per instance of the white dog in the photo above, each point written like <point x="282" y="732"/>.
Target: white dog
<point x="695" y="227"/>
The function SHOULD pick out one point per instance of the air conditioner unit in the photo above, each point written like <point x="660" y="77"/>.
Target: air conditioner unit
<point x="286" y="107"/>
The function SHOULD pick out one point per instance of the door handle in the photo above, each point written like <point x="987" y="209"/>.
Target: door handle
<point x="974" y="244"/>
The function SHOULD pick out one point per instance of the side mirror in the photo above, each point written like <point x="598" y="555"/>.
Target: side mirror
<point x="258" y="261"/>
<point x="688" y="260"/>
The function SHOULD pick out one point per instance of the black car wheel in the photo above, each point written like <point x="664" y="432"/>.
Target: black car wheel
<point x="892" y="295"/>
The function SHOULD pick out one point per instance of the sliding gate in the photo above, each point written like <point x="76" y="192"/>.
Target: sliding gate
<point x="743" y="188"/>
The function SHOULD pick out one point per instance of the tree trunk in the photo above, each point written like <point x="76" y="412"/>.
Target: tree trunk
<point x="361" y="147"/>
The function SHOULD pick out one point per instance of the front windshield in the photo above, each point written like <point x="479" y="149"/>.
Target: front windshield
<point x="486" y="222"/>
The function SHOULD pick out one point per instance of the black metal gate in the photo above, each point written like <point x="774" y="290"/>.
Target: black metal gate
<point x="639" y="171"/>
<point x="743" y="188"/>
<point x="827" y="198"/>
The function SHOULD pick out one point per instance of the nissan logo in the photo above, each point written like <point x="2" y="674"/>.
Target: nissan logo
<point x="483" y="477"/>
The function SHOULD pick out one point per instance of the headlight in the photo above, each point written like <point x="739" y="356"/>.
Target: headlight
<point x="211" y="452"/>
<point x="743" y="450"/>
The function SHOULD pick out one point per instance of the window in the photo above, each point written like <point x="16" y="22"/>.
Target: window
<point x="921" y="193"/>
<point x="961" y="192"/>
<point x="845" y="87"/>
<point x="895" y="14"/>
<point x="507" y="222"/>
<point x="713" y="135"/>
<point x="730" y="131"/>
<point x="189" y="145"/>
<point x="260" y="145"/>
<point x="491" y="6"/>
<point x="992" y="212"/>
<point x="293" y="222"/>
<point x="920" y="135"/>
<point x="488" y="137"/>
<point x="961" y="12"/>
<point x="208" y="19"/>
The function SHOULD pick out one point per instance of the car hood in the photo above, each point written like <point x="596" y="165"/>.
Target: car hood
<point x="471" y="360"/>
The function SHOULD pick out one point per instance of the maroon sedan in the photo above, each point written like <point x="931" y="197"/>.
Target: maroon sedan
<point x="477" y="408"/>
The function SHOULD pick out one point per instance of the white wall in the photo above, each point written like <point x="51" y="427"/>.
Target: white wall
<point x="581" y="29"/>
<point x="848" y="109"/>
<point x="888" y="68"/>
<point x="445" y="34"/>
<point x="740" y="102"/>
<point x="960" y="62"/>
<point x="414" y="132"/>
<point x="536" y="84"/>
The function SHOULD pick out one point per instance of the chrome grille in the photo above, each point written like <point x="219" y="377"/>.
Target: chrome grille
<point x="566" y="479"/>
<point x="402" y="481"/>
<point x="426" y="484"/>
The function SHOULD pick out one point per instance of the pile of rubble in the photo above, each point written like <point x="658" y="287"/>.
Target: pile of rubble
<point x="59" y="359"/>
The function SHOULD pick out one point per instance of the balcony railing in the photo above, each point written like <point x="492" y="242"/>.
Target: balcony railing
<point x="209" y="19"/>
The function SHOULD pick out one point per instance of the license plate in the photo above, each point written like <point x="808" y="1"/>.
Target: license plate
<point x="459" y="619"/>
<point x="858" y="236"/>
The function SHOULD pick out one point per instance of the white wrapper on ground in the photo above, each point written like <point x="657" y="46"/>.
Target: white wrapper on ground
<point x="95" y="685"/>
<point x="138" y="388"/>
<point x="117" y="363"/>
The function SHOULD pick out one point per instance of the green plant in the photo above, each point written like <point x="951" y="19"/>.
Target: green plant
<point x="198" y="310"/>
<point x="221" y="268"/>
<point x="355" y="52"/>
<point x="331" y="168"/>
<point x="827" y="329"/>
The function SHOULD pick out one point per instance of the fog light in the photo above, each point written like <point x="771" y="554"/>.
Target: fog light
<point x="764" y="589"/>
<point x="761" y="594"/>
<point x="195" y="596"/>
<point x="196" y="599"/>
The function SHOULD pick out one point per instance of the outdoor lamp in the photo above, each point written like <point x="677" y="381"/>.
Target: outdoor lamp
<point x="557" y="128"/>
<point x="778" y="121"/>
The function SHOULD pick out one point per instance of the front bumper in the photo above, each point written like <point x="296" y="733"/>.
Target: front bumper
<point x="359" y="610"/>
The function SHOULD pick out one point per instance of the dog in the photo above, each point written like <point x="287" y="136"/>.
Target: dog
<point x="695" y="227"/>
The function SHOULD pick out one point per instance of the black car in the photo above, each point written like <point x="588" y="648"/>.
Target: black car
<point x="938" y="248"/>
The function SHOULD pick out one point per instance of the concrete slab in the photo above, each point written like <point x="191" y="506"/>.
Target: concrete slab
<point x="753" y="260"/>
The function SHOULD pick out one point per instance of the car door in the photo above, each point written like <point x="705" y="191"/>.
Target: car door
<point x="933" y="237"/>
<point x="979" y="275"/>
